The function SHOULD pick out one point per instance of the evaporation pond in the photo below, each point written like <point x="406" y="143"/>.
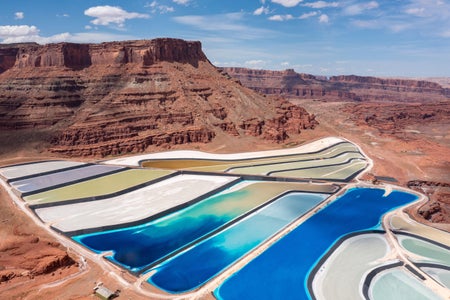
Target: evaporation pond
<point x="282" y="271"/>
<point x="137" y="247"/>
<point x="198" y="264"/>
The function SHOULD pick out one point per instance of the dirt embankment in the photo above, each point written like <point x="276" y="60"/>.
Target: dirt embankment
<point x="33" y="265"/>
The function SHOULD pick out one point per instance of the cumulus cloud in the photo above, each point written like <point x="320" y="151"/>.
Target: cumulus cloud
<point x="261" y="10"/>
<point x="357" y="9"/>
<point x="324" y="18"/>
<point x="321" y="4"/>
<point x="308" y="15"/>
<point x="25" y="33"/>
<point x="106" y="15"/>
<point x="281" y="18"/>
<point x="12" y="31"/>
<point x="287" y="3"/>
<point x="19" y="15"/>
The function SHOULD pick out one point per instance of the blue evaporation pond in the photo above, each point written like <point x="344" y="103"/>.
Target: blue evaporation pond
<point x="198" y="264"/>
<point x="139" y="246"/>
<point x="282" y="271"/>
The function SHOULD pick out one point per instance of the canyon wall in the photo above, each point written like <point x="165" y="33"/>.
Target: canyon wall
<point x="122" y="97"/>
<point x="338" y="88"/>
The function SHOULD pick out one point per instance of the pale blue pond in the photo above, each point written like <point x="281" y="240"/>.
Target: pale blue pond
<point x="198" y="264"/>
<point x="282" y="271"/>
<point x="138" y="247"/>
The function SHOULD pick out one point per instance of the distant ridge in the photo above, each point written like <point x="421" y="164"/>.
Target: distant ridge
<point x="343" y="87"/>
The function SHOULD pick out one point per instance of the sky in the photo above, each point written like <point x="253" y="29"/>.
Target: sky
<point x="391" y="38"/>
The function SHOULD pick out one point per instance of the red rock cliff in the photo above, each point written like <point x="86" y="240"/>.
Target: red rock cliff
<point x="120" y="97"/>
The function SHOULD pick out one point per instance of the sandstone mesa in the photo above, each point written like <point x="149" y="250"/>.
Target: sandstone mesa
<point x="121" y="97"/>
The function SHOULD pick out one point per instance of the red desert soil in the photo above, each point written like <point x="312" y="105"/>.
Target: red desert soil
<point x="33" y="265"/>
<point x="409" y="142"/>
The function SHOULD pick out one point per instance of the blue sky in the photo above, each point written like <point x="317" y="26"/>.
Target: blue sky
<point x="374" y="38"/>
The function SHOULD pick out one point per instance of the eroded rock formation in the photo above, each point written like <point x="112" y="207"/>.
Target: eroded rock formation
<point x="394" y="118"/>
<point x="437" y="208"/>
<point x="121" y="97"/>
<point x="351" y="87"/>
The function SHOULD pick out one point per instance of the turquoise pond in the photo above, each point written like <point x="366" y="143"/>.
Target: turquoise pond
<point x="198" y="264"/>
<point x="184" y="250"/>
<point x="283" y="270"/>
<point x="137" y="248"/>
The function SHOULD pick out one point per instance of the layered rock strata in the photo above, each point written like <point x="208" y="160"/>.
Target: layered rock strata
<point x="354" y="88"/>
<point x="120" y="97"/>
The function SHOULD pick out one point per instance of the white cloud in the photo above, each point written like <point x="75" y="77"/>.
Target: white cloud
<point x="308" y="15"/>
<point x="357" y="9"/>
<point x="158" y="8"/>
<point x="285" y="64"/>
<point x="19" y="15"/>
<point x="324" y="18"/>
<point x="181" y="2"/>
<point x="106" y="15"/>
<point x="321" y="4"/>
<point x="281" y="18"/>
<point x="287" y="3"/>
<point x="12" y="31"/>
<point x="255" y="63"/>
<point x="25" y="33"/>
<point x="261" y="10"/>
<point x="61" y="37"/>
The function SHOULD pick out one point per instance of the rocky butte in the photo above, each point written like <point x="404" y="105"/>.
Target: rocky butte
<point x="122" y="97"/>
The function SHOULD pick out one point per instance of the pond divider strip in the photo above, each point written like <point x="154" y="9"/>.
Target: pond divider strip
<point x="432" y="265"/>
